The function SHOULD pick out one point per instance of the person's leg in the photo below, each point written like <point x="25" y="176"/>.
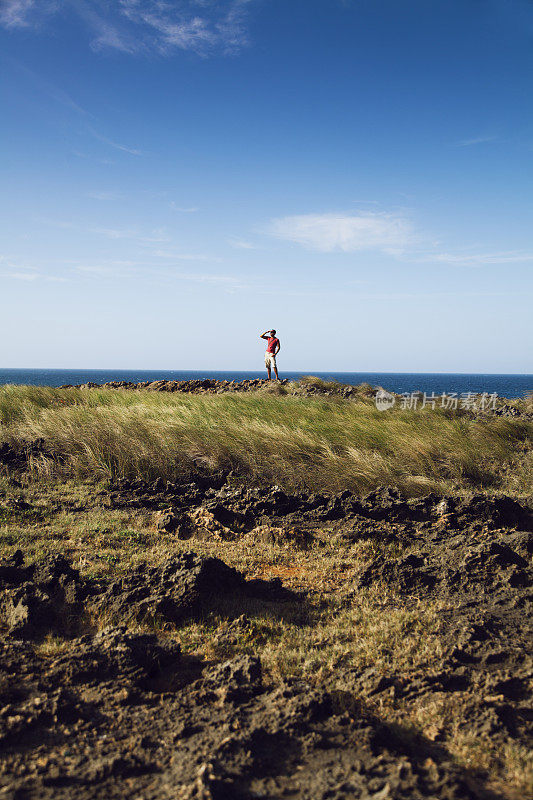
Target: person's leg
<point x="276" y="371"/>
<point x="268" y="372"/>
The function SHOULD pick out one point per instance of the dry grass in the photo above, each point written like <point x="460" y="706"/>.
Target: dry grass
<point x="298" y="442"/>
<point x="334" y="634"/>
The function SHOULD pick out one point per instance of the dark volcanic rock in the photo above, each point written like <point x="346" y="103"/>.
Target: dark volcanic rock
<point x="409" y="573"/>
<point x="43" y="692"/>
<point x="41" y="597"/>
<point x="180" y="588"/>
<point x="50" y="596"/>
<point x="497" y="512"/>
<point x="224" y="735"/>
<point x="12" y="571"/>
<point x="193" y="386"/>
<point x="237" y="679"/>
<point x="114" y="652"/>
<point x="455" y="563"/>
<point x="173" y="520"/>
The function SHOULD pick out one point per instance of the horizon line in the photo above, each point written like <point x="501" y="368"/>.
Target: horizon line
<point x="301" y="372"/>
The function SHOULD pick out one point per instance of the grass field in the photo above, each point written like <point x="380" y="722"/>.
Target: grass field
<point x="312" y="443"/>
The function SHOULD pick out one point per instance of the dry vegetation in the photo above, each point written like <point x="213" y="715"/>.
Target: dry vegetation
<point x="316" y="443"/>
<point x="312" y="443"/>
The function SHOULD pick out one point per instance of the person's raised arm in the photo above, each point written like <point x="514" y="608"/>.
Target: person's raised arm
<point x="265" y="335"/>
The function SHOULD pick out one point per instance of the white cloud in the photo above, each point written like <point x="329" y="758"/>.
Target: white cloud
<point x="31" y="276"/>
<point x="108" y="270"/>
<point x="133" y="151"/>
<point x="115" y="233"/>
<point x="476" y="140"/>
<point x="479" y="259"/>
<point x="118" y="269"/>
<point x="224" y="280"/>
<point x="387" y="232"/>
<point x="179" y="256"/>
<point x="189" y="25"/>
<point x="90" y="157"/>
<point x="23" y="272"/>
<point x="50" y="89"/>
<point x="156" y="236"/>
<point x="133" y="26"/>
<point x="241" y="244"/>
<point x="16" y="13"/>
<point x="58" y="95"/>
<point x="108" y="37"/>
<point x="183" y="210"/>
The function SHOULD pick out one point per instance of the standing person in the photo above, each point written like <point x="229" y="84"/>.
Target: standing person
<point x="273" y="348"/>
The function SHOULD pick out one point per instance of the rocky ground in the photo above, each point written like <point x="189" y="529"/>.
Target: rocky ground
<point x="215" y="386"/>
<point x="193" y="386"/>
<point x="101" y="698"/>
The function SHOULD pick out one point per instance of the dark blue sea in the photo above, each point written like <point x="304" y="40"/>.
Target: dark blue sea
<point x="503" y="385"/>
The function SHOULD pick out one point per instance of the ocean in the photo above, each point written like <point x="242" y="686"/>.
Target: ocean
<point x="503" y="385"/>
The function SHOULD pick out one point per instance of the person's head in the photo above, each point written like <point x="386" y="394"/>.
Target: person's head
<point x="272" y="332"/>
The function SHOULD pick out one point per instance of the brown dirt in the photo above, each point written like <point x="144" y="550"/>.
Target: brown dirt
<point x="122" y="714"/>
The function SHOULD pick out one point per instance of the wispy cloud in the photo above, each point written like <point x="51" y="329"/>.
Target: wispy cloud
<point x="106" y="29"/>
<point x="387" y="232"/>
<point x="157" y="236"/>
<point x="64" y="224"/>
<point x="105" y="195"/>
<point x="91" y="157"/>
<point x="480" y="259"/>
<point x="49" y="89"/>
<point x="139" y="270"/>
<point x="133" y="151"/>
<point x="182" y="210"/>
<point x="241" y="244"/>
<point x="180" y="256"/>
<point x="113" y="269"/>
<point x="31" y="276"/>
<point x="383" y="296"/>
<point x="60" y="96"/>
<point x="229" y="281"/>
<point x="115" y="233"/>
<point x="135" y="26"/>
<point x="391" y="233"/>
<point x="23" y="13"/>
<point x="195" y="25"/>
<point x="476" y="140"/>
<point x="24" y="272"/>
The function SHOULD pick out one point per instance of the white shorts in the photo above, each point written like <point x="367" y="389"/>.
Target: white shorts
<point x="270" y="360"/>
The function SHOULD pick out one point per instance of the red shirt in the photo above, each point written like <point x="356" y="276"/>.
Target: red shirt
<point x="272" y="344"/>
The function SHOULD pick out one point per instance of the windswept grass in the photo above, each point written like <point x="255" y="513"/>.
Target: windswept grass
<point x="298" y="442"/>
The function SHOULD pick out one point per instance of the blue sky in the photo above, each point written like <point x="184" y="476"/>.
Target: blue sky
<point x="179" y="176"/>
